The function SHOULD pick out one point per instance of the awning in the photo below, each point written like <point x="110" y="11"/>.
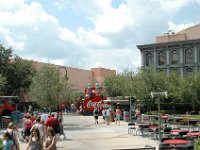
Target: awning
<point x="117" y="101"/>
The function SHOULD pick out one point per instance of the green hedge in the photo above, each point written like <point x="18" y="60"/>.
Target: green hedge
<point x="1" y="144"/>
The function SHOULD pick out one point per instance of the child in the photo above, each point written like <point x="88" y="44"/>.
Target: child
<point x="7" y="142"/>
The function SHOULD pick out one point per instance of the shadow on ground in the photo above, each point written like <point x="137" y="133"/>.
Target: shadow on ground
<point x="74" y="127"/>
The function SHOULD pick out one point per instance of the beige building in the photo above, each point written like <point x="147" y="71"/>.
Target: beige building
<point x="179" y="52"/>
<point x="79" y="78"/>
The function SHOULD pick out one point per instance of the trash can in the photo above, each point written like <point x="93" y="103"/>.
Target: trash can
<point x="126" y="116"/>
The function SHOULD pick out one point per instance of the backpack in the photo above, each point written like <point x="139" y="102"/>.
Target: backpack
<point x="96" y="112"/>
<point x="12" y="137"/>
<point x="56" y="127"/>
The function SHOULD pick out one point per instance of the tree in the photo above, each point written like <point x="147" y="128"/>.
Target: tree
<point x="19" y="75"/>
<point x="2" y="82"/>
<point x="5" y="55"/>
<point x="115" y="85"/>
<point x="47" y="90"/>
<point x="181" y="91"/>
<point x="17" y="72"/>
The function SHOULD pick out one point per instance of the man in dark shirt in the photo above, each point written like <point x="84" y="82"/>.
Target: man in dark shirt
<point x="96" y="115"/>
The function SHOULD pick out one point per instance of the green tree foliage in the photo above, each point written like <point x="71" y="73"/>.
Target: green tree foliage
<point x="115" y="85"/>
<point x="73" y="96"/>
<point x="149" y="81"/>
<point x="174" y="86"/>
<point x="180" y="90"/>
<point x="2" y="81"/>
<point x="47" y="90"/>
<point x="19" y="75"/>
<point x="5" y="55"/>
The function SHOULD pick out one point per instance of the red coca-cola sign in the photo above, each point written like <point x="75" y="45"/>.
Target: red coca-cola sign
<point x="93" y="99"/>
<point x="91" y="103"/>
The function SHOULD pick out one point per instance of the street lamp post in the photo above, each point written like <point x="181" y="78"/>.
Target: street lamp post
<point x="159" y="116"/>
<point x="132" y="103"/>
<point x="66" y="77"/>
<point x="130" y="110"/>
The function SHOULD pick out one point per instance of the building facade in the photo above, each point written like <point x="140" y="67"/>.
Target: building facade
<point x="178" y="52"/>
<point x="79" y="78"/>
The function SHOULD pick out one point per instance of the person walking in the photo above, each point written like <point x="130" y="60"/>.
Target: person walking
<point x="50" y="141"/>
<point x="7" y="142"/>
<point x="13" y="135"/>
<point x="60" y="119"/>
<point x="104" y="114"/>
<point x="62" y="132"/>
<point x="35" y="142"/>
<point x="118" y="115"/>
<point x="96" y="115"/>
<point x="38" y="125"/>
<point x="107" y="116"/>
<point x="27" y="124"/>
<point x="54" y="123"/>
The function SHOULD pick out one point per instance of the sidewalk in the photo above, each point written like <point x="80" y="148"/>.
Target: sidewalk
<point x="103" y="137"/>
<point x="83" y="134"/>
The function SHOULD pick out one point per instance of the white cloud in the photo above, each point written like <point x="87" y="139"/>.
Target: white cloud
<point x="67" y="35"/>
<point x="114" y="20"/>
<point x="35" y="34"/>
<point x="170" y="6"/>
<point x="179" y="27"/>
<point x="92" y="38"/>
<point x="11" y="5"/>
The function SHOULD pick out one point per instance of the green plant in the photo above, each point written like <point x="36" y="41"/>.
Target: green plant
<point x="197" y="144"/>
<point x="1" y="144"/>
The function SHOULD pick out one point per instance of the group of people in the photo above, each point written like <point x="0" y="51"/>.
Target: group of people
<point x="39" y="132"/>
<point x="106" y="113"/>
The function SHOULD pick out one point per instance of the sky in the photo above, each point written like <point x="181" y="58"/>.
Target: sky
<point x="87" y="34"/>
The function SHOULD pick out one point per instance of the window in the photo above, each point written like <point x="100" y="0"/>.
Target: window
<point x="161" y="58"/>
<point x="188" y="71"/>
<point x="175" y="57"/>
<point x="161" y="70"/>
<point x="148" y="59"/>
<point x="188" y="56"/>
<point x="174" y="70"/>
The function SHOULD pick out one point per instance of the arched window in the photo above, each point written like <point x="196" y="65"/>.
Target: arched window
<point x="161" y="58"/>
<point x="161" y="70"/>
<point x="188" y="56"/>
<point x="148" y="59"/>
<point x="188" y="71"/>
<point x="175" y="57"/>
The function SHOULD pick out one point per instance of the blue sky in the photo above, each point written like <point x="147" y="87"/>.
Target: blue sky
<point x="90" y="33"/>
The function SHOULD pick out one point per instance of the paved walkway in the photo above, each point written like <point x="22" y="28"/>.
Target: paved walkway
<point x="83" y="134"/>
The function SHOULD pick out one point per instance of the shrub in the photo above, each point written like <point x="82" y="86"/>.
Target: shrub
<point x="1" y="144"/>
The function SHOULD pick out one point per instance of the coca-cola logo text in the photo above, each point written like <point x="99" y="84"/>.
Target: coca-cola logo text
<point x="97" y="105"/>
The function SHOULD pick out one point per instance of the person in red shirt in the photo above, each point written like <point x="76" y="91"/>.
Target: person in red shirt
<point x="33" y="118"/>
<point x="51" y="121"/>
